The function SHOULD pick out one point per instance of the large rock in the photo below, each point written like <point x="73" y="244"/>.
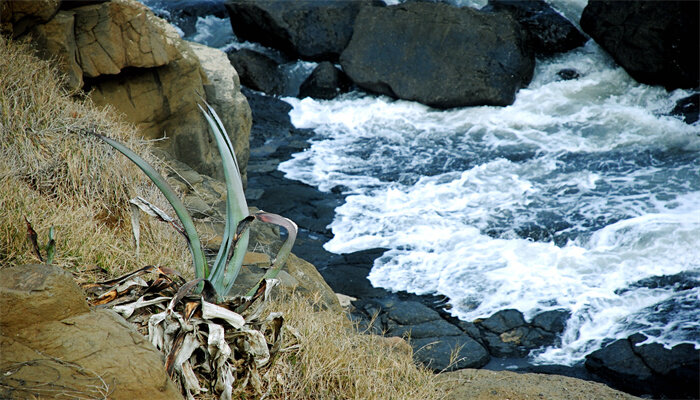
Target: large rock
<point x="450" y="353"/>
<point x="308" y="29"/>
<point x="648" y="368"/>
<point x="548" y="32"/>
<point x="53" y="346"/>
<point x="656" y="42"/>
<point x="257" y="71"/>
<point x="34" y="294"/>
<point x="118" y="34"/>
<point x="439" y="55"/>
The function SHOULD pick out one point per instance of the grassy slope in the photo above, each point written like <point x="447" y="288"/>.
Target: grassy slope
<point x="53" y="173"/>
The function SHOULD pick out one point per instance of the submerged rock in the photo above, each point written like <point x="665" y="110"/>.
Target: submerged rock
<point x="438" y="54"/>
<point x="656" y="42"/>
<point x="325" y="82"/>
<point x="688" y="108"/>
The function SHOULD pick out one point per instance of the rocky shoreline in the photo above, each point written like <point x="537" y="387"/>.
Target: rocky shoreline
<point x="500" y="342"/>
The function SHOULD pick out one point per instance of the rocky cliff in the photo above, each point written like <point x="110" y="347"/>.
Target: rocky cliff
<point x="123" y="56"/>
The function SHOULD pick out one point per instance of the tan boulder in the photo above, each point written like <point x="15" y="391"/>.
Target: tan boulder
<point x="55" y="39"/>
<point x="17" y="16"/>
<point x="480" y="384"/>
<point x="33" y="294"/>
<point x="117" y="34"/>
<point x="71" y="353"/>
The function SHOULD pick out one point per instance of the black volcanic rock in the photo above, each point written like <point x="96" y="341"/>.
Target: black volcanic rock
<point x="308" y="29"/>
<point x="503" y="321"/>
<point x="656" y="42"/>
<point x="688" y="108"/>
<point x="548" y="31"/>
<point x="257" y="71"/>
<point x="325" y="82"/>
<point x="438" y="54"/>
<point x="648" y="368"/>
<point x="436" y="352"/>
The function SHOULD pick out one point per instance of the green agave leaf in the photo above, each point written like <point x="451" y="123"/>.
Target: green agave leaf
<point x="199" y="260"/>
<point x="284" y="251"/>
<point x="223" y="273"/>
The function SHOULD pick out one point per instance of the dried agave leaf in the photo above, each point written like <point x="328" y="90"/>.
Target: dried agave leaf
<point x="184" y="345"/>
<point x="155" y="331"/>
<point x="211" y="311"/>
<point x="191" y="382"/>
<point x="128" y="309"/>
<point x="254" y="344"/>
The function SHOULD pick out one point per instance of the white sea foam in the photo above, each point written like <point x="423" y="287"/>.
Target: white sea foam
<point x="564" y="199"/>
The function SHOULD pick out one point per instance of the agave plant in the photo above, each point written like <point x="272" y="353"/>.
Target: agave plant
<point x="192" y="320"/>
<point x="229" y="259"/>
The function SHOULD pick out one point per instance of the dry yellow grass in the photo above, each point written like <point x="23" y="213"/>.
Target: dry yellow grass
<point x="334" y="361"/>
<point x="56" y="175"/>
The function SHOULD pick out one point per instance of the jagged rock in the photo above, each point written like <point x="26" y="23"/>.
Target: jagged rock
<point x="257" y="71"/>
<point x="129" y="59"/>
<point x="325" y="82"/>
<point x="656" y="42"/>
<point x="68" y="350"/>
<point x="436" y="352"/>
<point x="438" y="54"/>
<point x="422" y="330"/>
<point x="548" y="32"/>
<point x="307" y="29"/>
<point x="223" y="92"/>
<point x="118" y="34"/>
<point x="497" y="347"/>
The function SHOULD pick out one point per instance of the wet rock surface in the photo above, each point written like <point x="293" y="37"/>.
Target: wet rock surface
<point x="501" y="341"/>
<point x="656" y="42"/>
<point x="548" y="32"/>
<point x="308" y="29"/>
<point x="438" y="55"/>
<point x="649" y="368"/>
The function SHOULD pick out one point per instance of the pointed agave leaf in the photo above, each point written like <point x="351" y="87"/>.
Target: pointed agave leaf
<point x="200" y="263"/>
<point x="284" y="251"/>
<point x="224" y="272"/>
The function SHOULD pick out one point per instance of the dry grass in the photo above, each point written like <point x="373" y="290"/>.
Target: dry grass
<point x="56" y="175"/>
<point x="337" y="362"/>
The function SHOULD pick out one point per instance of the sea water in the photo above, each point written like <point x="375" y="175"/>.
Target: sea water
<point x="567" y="199"/>
<point x="583" y="195"/>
